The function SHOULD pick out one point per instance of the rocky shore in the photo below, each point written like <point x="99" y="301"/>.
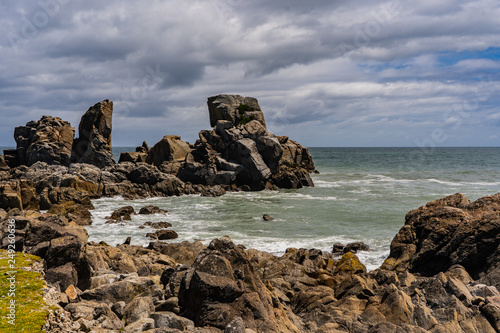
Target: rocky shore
<point x="442" y="274"/>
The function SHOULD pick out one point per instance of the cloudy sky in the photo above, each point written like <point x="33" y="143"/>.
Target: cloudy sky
<point x="326" y="73"/>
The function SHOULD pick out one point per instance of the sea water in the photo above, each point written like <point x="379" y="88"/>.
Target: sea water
<point x="361" y="194"/>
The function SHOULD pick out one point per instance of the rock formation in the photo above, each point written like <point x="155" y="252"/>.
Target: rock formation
<point x="244" y="154"/>
<point x="48" y="140"/>
<point x="234" y="108"/>
<point x="170" y="148"/>
<point x="93" y="145"/>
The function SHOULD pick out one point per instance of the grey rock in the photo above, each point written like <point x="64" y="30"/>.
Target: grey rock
<point x="171" y="320"/>
<point x="234" y="108"/>
<point x="140" y="326"/>
<point x="93" y="145"/>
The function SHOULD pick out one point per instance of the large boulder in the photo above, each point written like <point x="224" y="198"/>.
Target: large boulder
<point x="234" y="108"/>
<point x="222" y="286"/>
<point x="447" y="232"/>
<point x="48" y="140"/>
<point x="170" y="148"/>
<point x="93" y="145"/>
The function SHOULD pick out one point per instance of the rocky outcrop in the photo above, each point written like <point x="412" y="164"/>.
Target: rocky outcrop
<point x="449" y="231"/>
<point x="234" y="108"/>
<point x="170" y="148"/>
<point x="48" y="140"/>
<point x="244" y="154"/>
<point x="93" y="145"/>
<point x="225" y="287"/>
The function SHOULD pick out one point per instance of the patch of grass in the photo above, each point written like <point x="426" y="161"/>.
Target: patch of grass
<point x="242" y="108"/>
<point x="245" y="120"/>
<point x="26" y="291"/>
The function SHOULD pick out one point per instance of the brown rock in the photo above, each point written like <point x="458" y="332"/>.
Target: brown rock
<point x="94" y="143"/>
<point x="447" y="232"/>
<point x="170" y="148"/>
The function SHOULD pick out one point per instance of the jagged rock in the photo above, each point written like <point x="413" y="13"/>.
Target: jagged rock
<point x="157" y="225"/>
<point x="170" y="148"/>
<point x="93" y="145"/>
<point x="248" y="154"/>
<point x="94" y="316"/>
<point x="219" y="286"/>
<point x="355" y="247"/>
<point x="234" y="108"/>
<point x="144" y="148"/>
<point x="139" y="308"/>
<point x="143" y="325"/>
<point x="122" y="213"/>
<point x="446" y="232"/>
<point x="125" y="290"/>
<point x="171" y="320"/>
<point x="10" y="195"/>
<point x="150" y="209"/>
<point x="134" y="157"/>
<point x="48" y="140"/>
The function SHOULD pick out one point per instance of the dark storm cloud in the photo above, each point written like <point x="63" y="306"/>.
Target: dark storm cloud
<point x="372" y="66"/>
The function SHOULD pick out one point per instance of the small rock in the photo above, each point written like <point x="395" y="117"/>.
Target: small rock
<point x="171" y="320"/>
<point x="119" y="308"/>
<point x="157" y="225"/>
<point x="338" y="249"/>
<point x="127" y="241"/>
<point x="267" y="218"/>
<point x="355" y="247"/>
<point x="166" y="234"/>
<point x="148" y="210"/>
<point x="72" y="293"/>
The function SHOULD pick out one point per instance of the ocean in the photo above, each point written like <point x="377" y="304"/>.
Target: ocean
<point x="361" y="194"/>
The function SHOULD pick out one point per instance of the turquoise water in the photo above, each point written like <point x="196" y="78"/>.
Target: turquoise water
<point x="361" y="194"/>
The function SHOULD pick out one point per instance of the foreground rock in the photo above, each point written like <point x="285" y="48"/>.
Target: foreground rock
<point x="223" y="287"/>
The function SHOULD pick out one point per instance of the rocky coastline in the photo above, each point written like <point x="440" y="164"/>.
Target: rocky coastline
<point x="442" y="274"/>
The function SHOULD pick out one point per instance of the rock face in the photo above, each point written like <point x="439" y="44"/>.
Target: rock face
<point x="234" y="108"/>
<point x="448" y="232"/>
<point x="221" y="285"/>
<point x="170" y="148"/>
<point x="240" y="152"/>
<point x="48" y="140"/>
<point x="94" y="143"/>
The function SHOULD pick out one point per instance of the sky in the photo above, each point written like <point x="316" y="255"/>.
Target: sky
<point x="326" y="73"/>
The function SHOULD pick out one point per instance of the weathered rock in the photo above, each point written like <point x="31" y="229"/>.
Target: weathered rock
<point x="65" y="275"/>
<point x="355" y="247"/>
<point x="234" y="108"/>
<point x="221" y="284"/>
<point x="94" y="316"/>
<point x="147" y="210"/>
<point x="255" y="167"/>
<point x="134" y="157"/>
<point x="48" y="140"/>
<point x="170" y="148"/>
<point x="125" y="290"/>
<point x="122" y="213"/>
<point x="171" y="320"/>
<point x="93" y="145"/>
<point x="164" y="234"/>
<point x="143" y="325"/>
<point x="446" y="232"/>
<point x="157" y="225"/>
<point x="139" y="308"/>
